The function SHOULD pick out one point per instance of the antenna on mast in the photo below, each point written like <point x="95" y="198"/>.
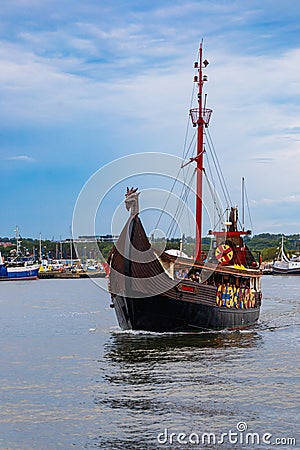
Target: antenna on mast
<point x="243" y="203"/>
<point x="200" y="117"/>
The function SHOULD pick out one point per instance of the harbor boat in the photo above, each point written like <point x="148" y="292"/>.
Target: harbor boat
<point x="284" y="265"/>
<point x="69" y="268"/>
<point x="159" y="291"/>
<point x="18" y="267"/>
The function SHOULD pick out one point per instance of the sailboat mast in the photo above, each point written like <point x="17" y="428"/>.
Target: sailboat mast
<point x="200" y="118"/>
<point x="199" y="161"/>
<point x="243" y="203"/>
<point x="18" y="240"/>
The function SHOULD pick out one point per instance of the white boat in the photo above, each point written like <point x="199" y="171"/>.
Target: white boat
<point x="285" y="265"/>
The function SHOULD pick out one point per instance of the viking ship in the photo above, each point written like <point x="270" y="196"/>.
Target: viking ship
<point x="159" y="291"/>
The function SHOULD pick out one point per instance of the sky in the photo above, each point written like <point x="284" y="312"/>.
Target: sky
<point x="85" y="83"/>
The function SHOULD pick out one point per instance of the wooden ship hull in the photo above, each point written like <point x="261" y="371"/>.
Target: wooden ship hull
<point x="147" y="296"/>
<point x="166" y="314"/>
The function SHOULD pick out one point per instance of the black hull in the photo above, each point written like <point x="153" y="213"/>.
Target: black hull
<point x="163" y="314"/>
<point x="147" y="296"/>
<point x="286" y="272"/>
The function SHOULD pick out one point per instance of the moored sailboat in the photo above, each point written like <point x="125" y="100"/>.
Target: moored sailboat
<point x="153" y="290"/>
<point x="284" y="265"/>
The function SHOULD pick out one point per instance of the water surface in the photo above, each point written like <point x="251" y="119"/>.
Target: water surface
<point x="71" y="379"/>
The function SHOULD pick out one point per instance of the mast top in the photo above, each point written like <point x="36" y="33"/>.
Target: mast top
<point x="200" y="117"/>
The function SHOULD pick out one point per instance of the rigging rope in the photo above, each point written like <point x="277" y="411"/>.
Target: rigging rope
<point x="186" y="150"/>
<point x="219" y="170"/>
<point x="212" y="190"/>
<point x="186" y="187"/>
<point x="185" y="190"/>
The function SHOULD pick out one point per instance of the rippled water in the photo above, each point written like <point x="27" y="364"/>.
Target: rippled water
<point x="71" y="379"/>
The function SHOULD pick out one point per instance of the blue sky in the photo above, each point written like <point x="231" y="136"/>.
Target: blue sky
<point x="85" y="82"/>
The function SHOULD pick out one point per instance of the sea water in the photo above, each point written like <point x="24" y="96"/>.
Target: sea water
<point x="71" y="379"/>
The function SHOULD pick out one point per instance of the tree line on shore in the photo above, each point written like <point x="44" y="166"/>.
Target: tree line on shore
<point x="266" y="243"/>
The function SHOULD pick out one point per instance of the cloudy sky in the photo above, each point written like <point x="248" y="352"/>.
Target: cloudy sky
<point x="83" y="83"/>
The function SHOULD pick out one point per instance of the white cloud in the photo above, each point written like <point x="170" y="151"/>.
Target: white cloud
<point x="20" y="158"/>
<point x="293" y="198"/>
<point x="124" y="69"/>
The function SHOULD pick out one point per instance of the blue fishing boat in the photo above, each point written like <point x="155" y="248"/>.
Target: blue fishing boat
<point x="18" y="266"/>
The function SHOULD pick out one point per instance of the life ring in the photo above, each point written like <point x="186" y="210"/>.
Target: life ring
<point x="224" y="253"/>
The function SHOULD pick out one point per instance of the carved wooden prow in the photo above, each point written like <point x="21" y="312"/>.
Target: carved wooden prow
<point x="132" y="201"/>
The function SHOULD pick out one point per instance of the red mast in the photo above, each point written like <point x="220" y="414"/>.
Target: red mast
<point x="200" y="117"/>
